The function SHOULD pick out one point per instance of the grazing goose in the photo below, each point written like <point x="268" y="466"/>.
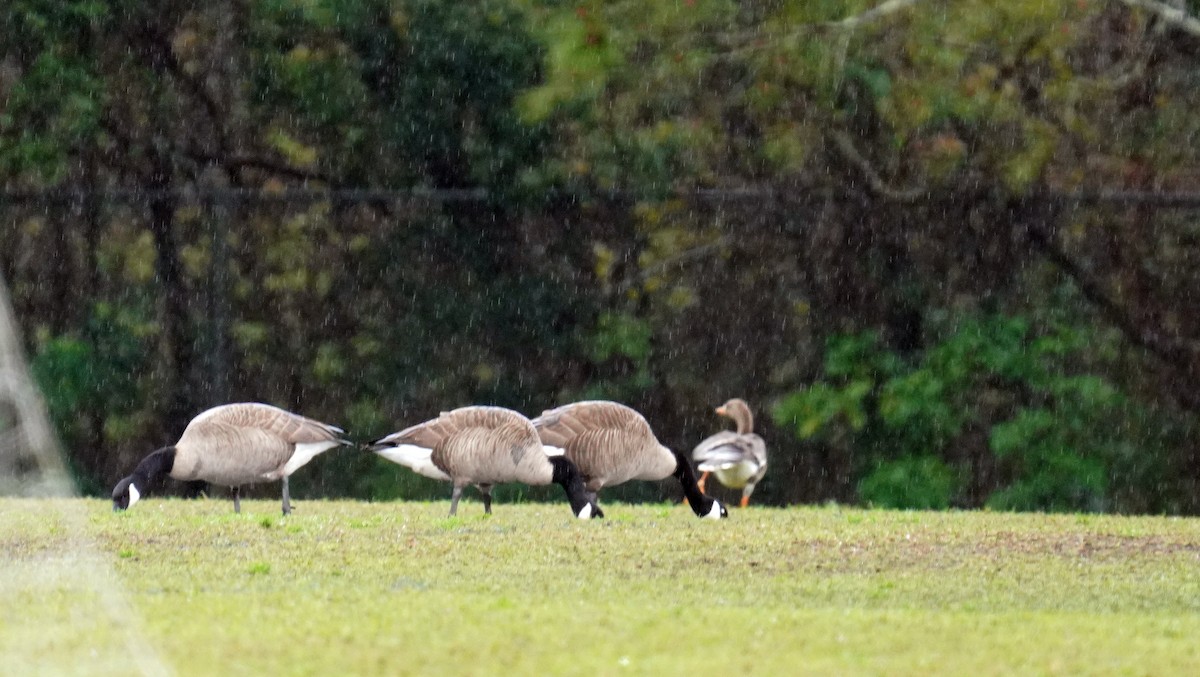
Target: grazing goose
<point x="738" y="458"/>
<point x="611" y="444"/>
<point x="233" y="445"/>
<point x="483" y="446"/>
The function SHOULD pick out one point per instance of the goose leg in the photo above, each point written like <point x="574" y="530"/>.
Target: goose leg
<point x="287" y="498"/>
<point x="486" y="490"/>
<point x="454" y="500"/>
<point x="749" y="489"/>
<point x="237" y="500"/>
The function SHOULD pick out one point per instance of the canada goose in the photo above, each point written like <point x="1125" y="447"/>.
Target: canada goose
<point x="232" y="445"/>
<point x="611" y="444"/>
<point x="483" y="446"/>
<point x="738" y="458"/>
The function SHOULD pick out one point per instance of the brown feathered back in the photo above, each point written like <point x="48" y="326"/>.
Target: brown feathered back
<point x="481" y="445"/>
<point x="237" y="444"/>
<point x="609" y="442"/>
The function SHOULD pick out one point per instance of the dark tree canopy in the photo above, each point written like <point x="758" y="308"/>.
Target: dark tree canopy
<point x="947" y="250"/>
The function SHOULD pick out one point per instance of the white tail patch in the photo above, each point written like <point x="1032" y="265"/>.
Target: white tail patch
<point x="134" y="495"/>
<point x="553" y="451"/>
<point x="713" y="466"/>
<point x="305" y="451"/>
<point x="411" y="456"/>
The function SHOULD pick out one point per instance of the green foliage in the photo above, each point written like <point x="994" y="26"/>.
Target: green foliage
<point x="387" y="312"/>
<point x="914" y="483"/>
<point x="54" y="106"/>
<point x="1056" y="433"/>
<point x="620" y="346"/>
<point x="427" y="86"/>
<point x="619" y="335"/>
<point x="100" y="375"/>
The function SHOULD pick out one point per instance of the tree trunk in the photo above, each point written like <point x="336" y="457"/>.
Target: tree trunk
<point x="177" y="405"/>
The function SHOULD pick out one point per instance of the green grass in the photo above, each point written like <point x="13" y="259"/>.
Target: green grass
<point x="397" y="588"/>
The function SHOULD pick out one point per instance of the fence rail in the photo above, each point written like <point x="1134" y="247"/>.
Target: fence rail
<point x="80" y="195"/>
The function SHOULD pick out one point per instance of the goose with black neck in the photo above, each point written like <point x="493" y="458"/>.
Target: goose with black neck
<point x="612" y="443"/>
<point x="483" y="446"/>
<point x="233" y="445"/>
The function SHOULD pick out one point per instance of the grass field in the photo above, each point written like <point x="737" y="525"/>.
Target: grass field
<point x="189" y="588"/>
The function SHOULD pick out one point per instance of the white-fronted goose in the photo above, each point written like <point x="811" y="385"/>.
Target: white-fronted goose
<point x="483" y="446"/>
<point x="611" y="443"/>
<point x="233" y="445"/>
<point x="738" y="458"/>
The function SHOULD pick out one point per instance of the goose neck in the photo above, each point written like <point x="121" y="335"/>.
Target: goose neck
<point x="567" y="475"/>
<point x="154" y="468"/>
<point x="686" y="475"/>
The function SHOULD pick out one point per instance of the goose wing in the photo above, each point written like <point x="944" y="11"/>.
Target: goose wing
<point x="728" y="448"/>
<point x="450" y="424"/>
<point x="557" y="427"/>
<point x="473" y="444"/>
<point x="250" y="441"/>
<point x="739" y="460"/>
<point x="609" y="442"/>
<point x="288" y="427"/>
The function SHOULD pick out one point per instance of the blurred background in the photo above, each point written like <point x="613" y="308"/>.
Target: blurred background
<point x="947" y="250"/>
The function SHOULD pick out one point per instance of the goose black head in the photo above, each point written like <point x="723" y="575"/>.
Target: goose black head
<point x="568" y="476"/>
<point x="147" y="475"/>
<point x="125" y="494"/>
<point x="709" y="508"/>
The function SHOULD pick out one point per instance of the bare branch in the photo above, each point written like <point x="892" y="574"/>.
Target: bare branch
<point x="756" y="196"/>
<point x="1174" y="16"/>
<point x="888" y="7"/>
<point x="1177" y="353"/>
<point x="696" y="253"/>
<point x="842" y="142"/>
<point x="237" y="162"/>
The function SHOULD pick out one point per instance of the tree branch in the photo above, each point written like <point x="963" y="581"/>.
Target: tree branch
<point x="1174" y="16"/>
<point x="237" y="162"/>
<point x="696" y="253"/>
<point x="842" y="142"/>
<point x="1174" y="352"/>
<point x="884" y="9"/>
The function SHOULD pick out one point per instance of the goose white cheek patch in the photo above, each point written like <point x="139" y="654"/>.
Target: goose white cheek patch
<point x="715" y="513"/>
<point x="553" y="451"/>
<point x="586" y="513"/>
<point x="133" y="496"/>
